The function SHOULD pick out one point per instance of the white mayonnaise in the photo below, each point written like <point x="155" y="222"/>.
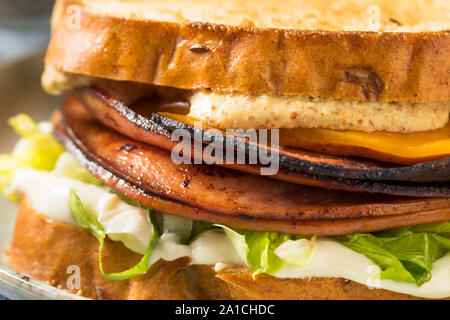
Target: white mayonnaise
<point x="48" y="194"/>
<point x="331" y="259"/>
<point x="210" y="248"/>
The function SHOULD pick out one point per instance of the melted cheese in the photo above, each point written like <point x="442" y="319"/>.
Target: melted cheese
<point x="418" y="145"/>
<point x="328" y="258"/>
<point x="403" y="148"/>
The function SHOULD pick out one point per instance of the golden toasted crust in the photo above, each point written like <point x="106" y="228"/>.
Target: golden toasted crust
<point x="354" y="15"/>
<point x="366" y="66"/>
<point x="44" y="249"/>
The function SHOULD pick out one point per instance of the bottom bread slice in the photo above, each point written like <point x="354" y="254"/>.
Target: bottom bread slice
<point x="47" y="250"/>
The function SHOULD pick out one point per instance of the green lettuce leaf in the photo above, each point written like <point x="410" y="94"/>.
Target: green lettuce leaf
<point x="237" y="238"/>
<point x="441" y="228"/>
<point x="86" y="221"/>
<point x="262" y="255"/>
<point x="296" y="252"/>
<point x="180" y="226"/>
<point x="259" y="249"/>
<point x="199" y="228"/>
<point x="407" y="257"/>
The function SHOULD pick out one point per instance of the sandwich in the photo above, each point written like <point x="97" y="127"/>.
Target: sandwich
<point x="239" y="150"/>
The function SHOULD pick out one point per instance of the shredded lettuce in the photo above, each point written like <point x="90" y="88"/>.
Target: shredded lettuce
<point x="7" y="168"/>
<point x="187" y="230"/>
<point x="36" y="149"/>
<point x="261" y="255"/>
<point x="403" y="254"/>
<point x="180" y="226"/>
<point x="267" y="252"/>
<point x="296" y="252"/>
<point x="239" y="242"/>
<point x="68" y="167"/>
<point x="86" y="221"/>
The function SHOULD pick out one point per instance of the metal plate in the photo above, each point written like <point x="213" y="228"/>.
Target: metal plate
<point x="20" y="91"/>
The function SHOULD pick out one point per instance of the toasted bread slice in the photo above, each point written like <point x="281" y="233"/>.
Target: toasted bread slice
<point x="43" y="249"/>
<point x="260" y="47"/>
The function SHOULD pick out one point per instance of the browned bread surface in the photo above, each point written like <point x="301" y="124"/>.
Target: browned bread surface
<point x="44" y="249"/>
<point x="316" y="58"/>
<point x="349" y="15"/>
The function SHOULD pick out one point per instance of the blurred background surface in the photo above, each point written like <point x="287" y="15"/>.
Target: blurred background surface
<point x="24" y="34"/>
<point x="24" y="27"/>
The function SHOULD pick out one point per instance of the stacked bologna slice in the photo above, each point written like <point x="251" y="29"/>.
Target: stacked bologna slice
<point x="311" y="194"/>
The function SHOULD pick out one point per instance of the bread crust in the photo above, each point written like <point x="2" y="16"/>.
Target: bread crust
<point x="43" y="249"/>
<point x="364" y="66"/>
